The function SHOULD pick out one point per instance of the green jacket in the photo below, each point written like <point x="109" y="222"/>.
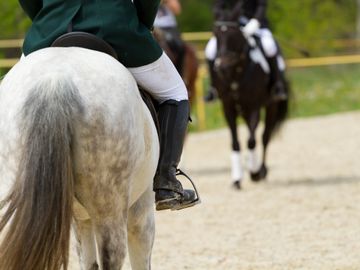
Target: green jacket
<point x="124" y="24"/>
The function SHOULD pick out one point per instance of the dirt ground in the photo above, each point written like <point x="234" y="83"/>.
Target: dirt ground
<point x="305" y="216"/>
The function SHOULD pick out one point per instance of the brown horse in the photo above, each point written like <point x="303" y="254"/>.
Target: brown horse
<point x="190" y="65"/>
<point x="244" y="89"/>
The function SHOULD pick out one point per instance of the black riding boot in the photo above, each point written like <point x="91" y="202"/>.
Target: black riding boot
<point x="277" y="90"/>
<point x="169" y="193"/>
<point x="211" y="94"/>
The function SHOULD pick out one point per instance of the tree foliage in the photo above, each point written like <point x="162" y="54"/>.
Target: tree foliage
<point x="313" y="24"/>
<point x="13" y="21"/>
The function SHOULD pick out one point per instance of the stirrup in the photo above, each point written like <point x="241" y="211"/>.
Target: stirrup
<point x="197" y="199"/>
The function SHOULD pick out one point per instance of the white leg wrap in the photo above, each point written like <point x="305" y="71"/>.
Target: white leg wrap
<point x="253" y="161"/>
<point x="236" y="168"/>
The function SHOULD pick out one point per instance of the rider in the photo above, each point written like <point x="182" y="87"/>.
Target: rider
<point x="255" y="22"/>
<point x="166" y="21"/>
<point x="126" y="25"/>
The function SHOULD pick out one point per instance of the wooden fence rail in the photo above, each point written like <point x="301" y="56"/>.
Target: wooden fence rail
<point x="291" y="63"/>
<point x="194" y="37"/>
<point x="204" y="36"/>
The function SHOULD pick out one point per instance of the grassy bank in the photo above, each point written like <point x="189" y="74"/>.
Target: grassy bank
<point x="316" y="91"/>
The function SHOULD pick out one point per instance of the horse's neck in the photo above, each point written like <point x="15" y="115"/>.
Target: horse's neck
<point x="246" y="65"/>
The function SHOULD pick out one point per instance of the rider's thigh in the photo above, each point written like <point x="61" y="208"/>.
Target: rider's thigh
<point x="161" y="80"/>
<point x="211" y="49"/>
<point x="267" y="41"/>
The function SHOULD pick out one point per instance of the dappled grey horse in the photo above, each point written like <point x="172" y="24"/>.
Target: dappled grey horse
<point x="77" y="144"/>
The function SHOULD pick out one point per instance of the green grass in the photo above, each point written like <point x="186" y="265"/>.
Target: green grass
<point x="315" y="91"/>
<point x="325" y="90"/>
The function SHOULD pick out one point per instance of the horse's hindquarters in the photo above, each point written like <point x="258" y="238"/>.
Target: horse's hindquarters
<point x="114" y="148"/>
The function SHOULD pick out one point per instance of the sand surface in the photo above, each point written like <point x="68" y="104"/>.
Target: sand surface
<point x="305" y="216"/>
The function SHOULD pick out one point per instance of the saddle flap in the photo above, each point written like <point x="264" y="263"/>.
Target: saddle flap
<point x="84" y="40"/>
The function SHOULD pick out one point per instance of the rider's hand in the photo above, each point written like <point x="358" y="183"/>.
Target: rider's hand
<point x="251" y="27"/>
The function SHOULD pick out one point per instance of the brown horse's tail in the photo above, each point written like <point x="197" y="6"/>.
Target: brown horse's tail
<point x="39" y="206"/>
<point x="191" y="66"/>
<point x="282" y="108"/>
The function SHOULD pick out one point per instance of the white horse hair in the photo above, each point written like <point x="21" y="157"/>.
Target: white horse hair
<point x="77" y="144"/>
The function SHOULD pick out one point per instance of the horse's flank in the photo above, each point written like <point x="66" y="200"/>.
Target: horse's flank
<point x="74" y="123"/>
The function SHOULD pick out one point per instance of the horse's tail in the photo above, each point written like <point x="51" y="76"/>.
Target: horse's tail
<point x="190" y="70"/>
<point x="282" y="108"/>
<point x="39" y="206"/>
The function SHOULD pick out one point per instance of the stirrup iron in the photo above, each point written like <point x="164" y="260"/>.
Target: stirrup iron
<point x="197" y="199"/>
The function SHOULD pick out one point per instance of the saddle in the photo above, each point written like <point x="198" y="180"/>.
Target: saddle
<point x="84" y="40"/>
<point x="92" y="42"/>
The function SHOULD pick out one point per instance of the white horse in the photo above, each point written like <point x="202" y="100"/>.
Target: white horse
<point x="78" y="144"/>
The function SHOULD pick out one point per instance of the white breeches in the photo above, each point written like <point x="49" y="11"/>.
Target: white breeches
<point x="266" y="38"/>
<point x="267" y="42"/>
<point x="161" y="80"/>
<point x="211" y="49"/>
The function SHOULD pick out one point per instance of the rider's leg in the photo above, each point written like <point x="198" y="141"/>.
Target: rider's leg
<point x="163" y="82"/>
<point x="210" y="54"/>
<point x="278" y="91"/>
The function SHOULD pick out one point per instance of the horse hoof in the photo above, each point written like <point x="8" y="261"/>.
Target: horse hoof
<point x="236" y="185"/>
<point x="259" y="175"/>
